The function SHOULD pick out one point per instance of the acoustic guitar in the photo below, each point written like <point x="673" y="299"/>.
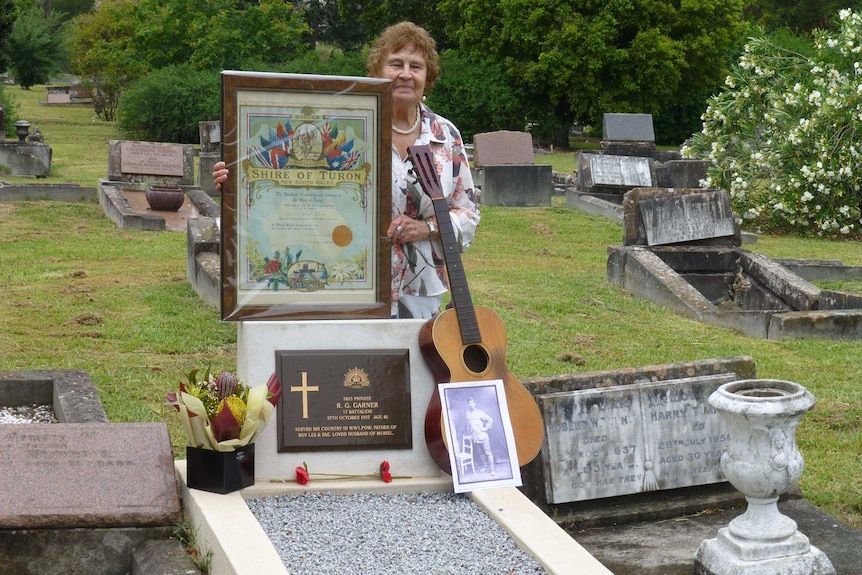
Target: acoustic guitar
<point x="467" y="342"/>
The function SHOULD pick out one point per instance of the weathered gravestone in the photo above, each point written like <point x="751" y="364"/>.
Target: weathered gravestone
<point x="58" y="95"/>
<point x="612" y="176"/>
<point x="628" y="135"/>
<point x="632" y="439"/>
<point x="628" y="127"/>
<point x="506" y="172"/>
<point x="210" y="154"/>
<point x="667" y="216"/>
<point x="151" y="162"/>
<point x="681" y="173"/>
<point x="26" y="156"/>
<point x="503" y="148"/>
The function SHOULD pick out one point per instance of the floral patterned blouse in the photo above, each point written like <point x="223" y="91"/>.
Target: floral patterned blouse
<point x="418" y="267"/>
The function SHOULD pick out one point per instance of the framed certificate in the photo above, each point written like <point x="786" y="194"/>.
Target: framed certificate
<point x="308" y="202"/>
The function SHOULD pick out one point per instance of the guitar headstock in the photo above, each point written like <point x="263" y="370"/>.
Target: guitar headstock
<point x="426" y="170"/>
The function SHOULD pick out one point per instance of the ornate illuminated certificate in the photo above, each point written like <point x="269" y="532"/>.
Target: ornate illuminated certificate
<point x="308" y="212"/>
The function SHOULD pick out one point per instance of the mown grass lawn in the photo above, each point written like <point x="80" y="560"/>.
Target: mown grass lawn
<point x="81" y="293"/>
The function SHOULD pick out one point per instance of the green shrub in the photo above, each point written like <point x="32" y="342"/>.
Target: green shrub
<point x="8" y="102"/>
<point x="326" y="61"/>
<point x="167" y="105"/>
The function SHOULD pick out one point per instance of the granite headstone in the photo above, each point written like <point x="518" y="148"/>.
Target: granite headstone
<point x="503" y="148"/>
<point x="628" y="127"/>
<point x="87" y="475"/>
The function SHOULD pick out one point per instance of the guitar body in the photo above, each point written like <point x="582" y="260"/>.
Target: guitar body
<point x="451" y="360"/>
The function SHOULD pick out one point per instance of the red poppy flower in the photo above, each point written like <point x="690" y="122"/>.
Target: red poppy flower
<point x="301" y="475"/>
<point x="384" y="472"/>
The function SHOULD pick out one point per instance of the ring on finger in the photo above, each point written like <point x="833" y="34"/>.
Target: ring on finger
<point x="400" y="230"/>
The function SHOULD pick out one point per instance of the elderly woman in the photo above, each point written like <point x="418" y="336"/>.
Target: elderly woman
<point x="407" y="55"/>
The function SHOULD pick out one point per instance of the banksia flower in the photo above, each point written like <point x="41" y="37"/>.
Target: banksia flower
<point x="225" y="384"/>
<point x="236" y="406"/>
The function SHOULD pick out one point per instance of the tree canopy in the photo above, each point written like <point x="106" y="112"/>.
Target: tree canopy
<point x="662" y="58"/>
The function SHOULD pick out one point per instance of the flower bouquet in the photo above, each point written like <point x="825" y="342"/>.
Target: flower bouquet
<point x="222" y="417"/>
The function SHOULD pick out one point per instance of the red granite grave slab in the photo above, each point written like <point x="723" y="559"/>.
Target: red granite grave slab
<point x="503" y="148"/>
<point x="87" y="475"/>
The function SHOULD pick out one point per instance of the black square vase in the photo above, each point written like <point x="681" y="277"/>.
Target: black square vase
<point x="220" y="471"/>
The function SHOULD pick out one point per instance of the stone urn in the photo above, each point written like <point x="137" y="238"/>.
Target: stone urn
<point x="762" y="462"/>
<point x="163" y="198"/>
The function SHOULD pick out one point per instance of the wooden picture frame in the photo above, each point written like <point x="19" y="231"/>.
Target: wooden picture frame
<point x="308" y="201"/>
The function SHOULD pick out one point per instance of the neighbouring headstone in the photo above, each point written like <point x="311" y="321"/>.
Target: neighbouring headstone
<point x="669" y="216"/>
<point x="87" y="475"/>
<point x="506" y="172"/>
<point x="619" y="171"/>
<point x="600" y="174"/>
<point x="25" y="158"/>
<point x="210" y="136"/>
<point x="628" y="127"/>
<point x="58" y="95"/>
<point x="687" y="217"/>
<point x="681" y="173"/>
<point x="503" y="147"/>
<point x="210" y="154"/>
<point x="632" y="439"/>
<point x="150" y="162"/>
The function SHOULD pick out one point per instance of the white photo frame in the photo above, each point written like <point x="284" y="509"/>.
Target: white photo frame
<point x="467" y="443"/>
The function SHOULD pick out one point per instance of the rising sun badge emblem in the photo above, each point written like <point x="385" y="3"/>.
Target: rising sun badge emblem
<point x="356" y="378"/>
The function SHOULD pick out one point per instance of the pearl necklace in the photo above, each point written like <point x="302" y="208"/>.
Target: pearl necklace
<point x="412" y="128"/>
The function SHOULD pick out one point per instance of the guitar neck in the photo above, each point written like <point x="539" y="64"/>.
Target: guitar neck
<point x="462" y="301"/>
<point x="426" y="173"/>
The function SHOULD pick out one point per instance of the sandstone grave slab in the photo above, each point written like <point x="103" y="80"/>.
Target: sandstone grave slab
<point x="670" y="219"/>
<point x="150" y="162"/>
<point x="632" y="439"/>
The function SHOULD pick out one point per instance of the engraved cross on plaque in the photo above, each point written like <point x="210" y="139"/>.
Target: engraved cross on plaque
<point x="304" y="388"/>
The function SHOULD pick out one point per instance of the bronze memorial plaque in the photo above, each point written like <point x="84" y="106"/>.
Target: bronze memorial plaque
<point x="341" y="399"/>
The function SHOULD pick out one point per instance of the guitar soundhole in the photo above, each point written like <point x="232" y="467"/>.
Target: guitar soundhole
<point x="475" y="358"/>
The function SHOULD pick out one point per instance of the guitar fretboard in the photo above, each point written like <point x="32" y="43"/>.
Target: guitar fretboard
<point x="462" y="301"/>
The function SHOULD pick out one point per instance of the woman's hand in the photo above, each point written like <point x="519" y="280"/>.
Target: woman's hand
<point x="404" y="229"/>
<point x="220" y="174"/>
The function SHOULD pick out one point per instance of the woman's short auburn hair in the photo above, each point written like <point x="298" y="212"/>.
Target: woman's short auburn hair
<point x="399" y="36"/>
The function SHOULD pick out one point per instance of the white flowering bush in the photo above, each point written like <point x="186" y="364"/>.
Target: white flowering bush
<point x="785" y="134"/>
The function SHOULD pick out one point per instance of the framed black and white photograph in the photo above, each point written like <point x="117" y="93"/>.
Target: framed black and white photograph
<point x="481" y="443"/>
<point x="307" y="203"/>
